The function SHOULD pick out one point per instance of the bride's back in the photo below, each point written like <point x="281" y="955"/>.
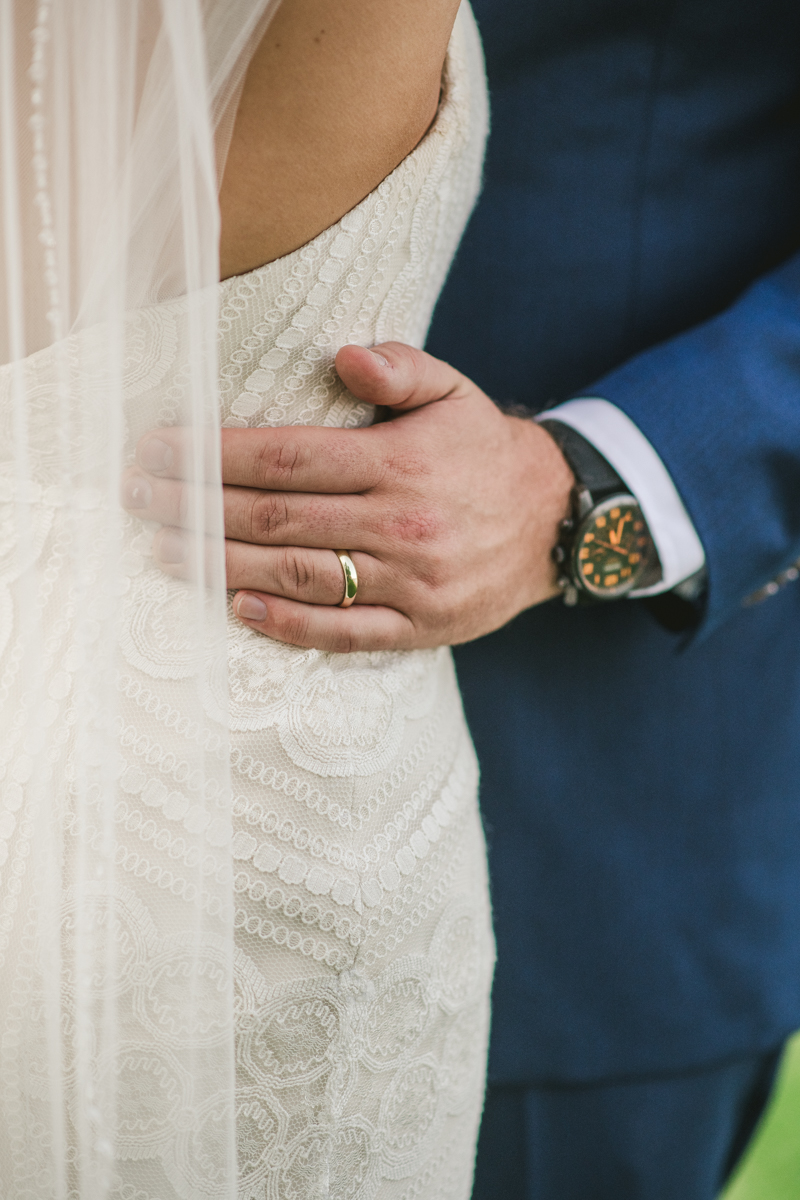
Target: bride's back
<point x="337" y="94"/>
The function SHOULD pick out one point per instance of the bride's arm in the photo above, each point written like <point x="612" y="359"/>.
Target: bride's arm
<point x="337" y="94"/>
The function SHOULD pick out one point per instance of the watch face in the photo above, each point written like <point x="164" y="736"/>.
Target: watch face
<point x="612" y="548"/>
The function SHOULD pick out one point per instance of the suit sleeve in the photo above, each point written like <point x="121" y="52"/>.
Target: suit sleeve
<point x="720" y="404"/>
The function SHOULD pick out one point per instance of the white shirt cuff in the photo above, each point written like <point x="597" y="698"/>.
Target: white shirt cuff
<point x="628" y="451"/>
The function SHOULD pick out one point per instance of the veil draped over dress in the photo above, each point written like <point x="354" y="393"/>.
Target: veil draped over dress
<point x="245" y="945"/>
<point x="113" y="118"/>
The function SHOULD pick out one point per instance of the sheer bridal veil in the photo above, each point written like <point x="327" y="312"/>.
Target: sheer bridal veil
<point x="116" y="937"/>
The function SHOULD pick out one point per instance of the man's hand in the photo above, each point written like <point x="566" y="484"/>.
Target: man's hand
<point x="450" y="511"/>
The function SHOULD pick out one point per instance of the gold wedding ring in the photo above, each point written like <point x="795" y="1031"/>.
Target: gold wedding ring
<point x="350" y="578"/>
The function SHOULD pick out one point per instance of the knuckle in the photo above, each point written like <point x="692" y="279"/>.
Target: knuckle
<point x="277" y="463"/>
<point x="341" y="641"/>
<point x="297" y="570"/>
<point x="417" y="525"/>
<point x="407" y="462"/>
<point x="436" y="574"/>
<point x="346" y="642"/>
<point x="269" y="516"/>
<point x="295" y="628"/>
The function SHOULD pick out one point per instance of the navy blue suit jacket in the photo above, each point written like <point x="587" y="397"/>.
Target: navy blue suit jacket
<point x="637" y="239"/>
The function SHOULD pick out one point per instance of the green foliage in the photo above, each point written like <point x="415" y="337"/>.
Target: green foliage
<point x="771" y="1168"/>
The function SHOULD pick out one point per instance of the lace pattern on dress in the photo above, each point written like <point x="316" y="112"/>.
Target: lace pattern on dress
<point x="363" y="945"/>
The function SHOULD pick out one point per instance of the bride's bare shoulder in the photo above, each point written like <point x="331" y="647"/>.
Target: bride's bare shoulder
<point x="337" y="94"/>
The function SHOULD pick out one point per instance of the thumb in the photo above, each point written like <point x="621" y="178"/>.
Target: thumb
<point x="396" y="375"/>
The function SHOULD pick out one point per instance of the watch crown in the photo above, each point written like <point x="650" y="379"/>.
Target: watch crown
<point x="559" y="554"/>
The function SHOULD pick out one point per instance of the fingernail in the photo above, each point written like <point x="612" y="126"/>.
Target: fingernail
<point x="170" y="547"/>
<point x="155" y="455"/>
<point x="251" y="608"/>
<point x="383" y="361"/>
<point x="137" y="493"/>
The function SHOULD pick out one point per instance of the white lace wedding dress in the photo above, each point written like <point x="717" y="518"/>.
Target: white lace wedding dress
<point x="364" y="951"/>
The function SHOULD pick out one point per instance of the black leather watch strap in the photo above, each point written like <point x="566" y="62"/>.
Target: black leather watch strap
<point x="591" y="470"/>
<point x="598" y="487"/>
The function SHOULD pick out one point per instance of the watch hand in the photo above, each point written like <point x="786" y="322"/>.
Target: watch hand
<point x="615" y="538"/>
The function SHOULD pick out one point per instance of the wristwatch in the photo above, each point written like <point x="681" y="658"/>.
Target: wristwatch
<point x="605" y="549"/>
